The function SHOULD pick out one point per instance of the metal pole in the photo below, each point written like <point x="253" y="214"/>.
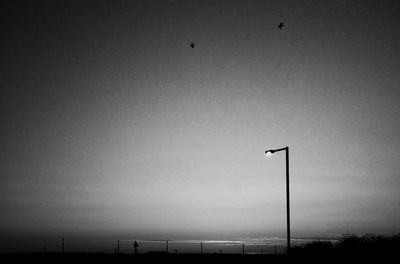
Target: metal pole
<point x="287" y="200"/>
<point x="62" y="245"/>
<point x="201" y="247"/>
<point x="167" y="246"/>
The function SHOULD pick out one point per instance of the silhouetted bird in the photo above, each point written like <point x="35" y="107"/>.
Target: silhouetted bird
<point x="192" y="45"/>
<point x="280" y="26"/>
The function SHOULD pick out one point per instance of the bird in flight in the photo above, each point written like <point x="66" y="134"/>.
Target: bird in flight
<point x="280" y="26"/>
<point x="192" y="45"/>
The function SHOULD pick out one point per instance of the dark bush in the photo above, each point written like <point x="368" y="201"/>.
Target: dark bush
<point x="369" y="245"/>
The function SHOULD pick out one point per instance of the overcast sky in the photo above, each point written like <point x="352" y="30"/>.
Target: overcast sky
<point x="112" y="126"/>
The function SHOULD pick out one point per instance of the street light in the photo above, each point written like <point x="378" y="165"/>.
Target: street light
<point x="269" y="153"/>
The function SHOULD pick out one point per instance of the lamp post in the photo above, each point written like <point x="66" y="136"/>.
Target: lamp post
<point x="269" y="153"/>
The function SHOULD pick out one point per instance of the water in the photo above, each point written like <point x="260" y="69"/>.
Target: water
<point x="273" y="245"/>
<point x="247" y="246"/>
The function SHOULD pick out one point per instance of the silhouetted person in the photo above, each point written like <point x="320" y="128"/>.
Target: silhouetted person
<point x="135" y="246"/>
<point x="281" y="25"/>
<point x="192" y="45"/>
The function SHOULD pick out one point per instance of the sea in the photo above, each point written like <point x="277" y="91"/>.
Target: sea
<point x="273" y="245"/>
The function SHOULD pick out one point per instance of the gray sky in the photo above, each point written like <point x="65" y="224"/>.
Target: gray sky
<point x="113" y="127"/>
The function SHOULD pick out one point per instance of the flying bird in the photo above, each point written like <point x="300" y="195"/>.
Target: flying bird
<point x="280" y="26"/>
<point x="192" y="45"/>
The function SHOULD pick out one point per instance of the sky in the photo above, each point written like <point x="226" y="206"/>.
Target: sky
<point x="113" y="127"/>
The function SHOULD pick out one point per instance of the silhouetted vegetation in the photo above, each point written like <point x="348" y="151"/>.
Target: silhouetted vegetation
<point x="369" y="245"/>
<point x="348" y="247"/>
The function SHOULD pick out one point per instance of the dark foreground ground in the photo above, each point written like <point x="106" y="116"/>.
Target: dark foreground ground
<point x="192" y="258"/>
<point x="350" y="249"/>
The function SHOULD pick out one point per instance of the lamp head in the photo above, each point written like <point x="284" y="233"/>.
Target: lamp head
<point x="269" y="152"/>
